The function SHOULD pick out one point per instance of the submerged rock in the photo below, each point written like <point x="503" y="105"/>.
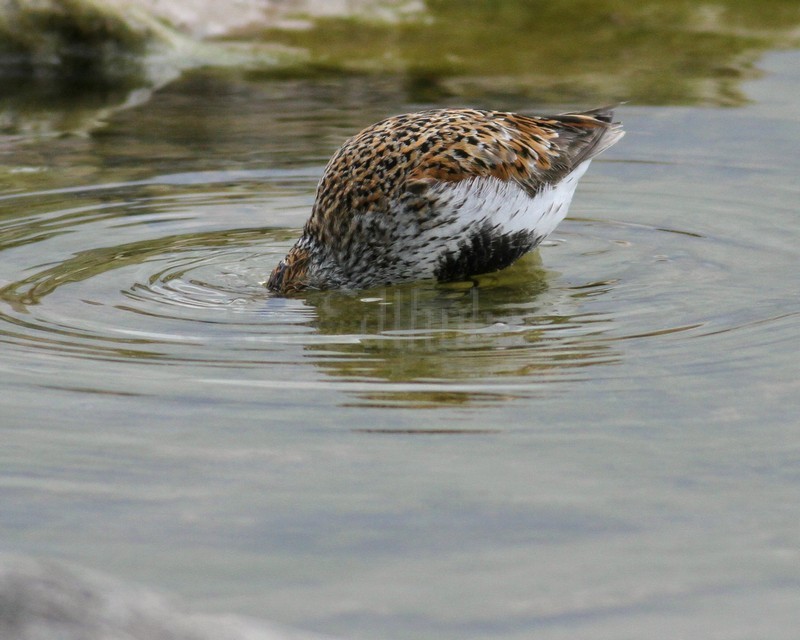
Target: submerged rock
<point x="115" y="40"/>
<point x="112" y="54"/>
<point x="85" y="40"/>
<point x="43" y="600"/>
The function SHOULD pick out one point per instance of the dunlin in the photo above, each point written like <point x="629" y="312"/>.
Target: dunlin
<point x="443" y="194"/>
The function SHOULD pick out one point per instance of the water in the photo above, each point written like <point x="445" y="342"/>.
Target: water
<point x="600" y="442"/>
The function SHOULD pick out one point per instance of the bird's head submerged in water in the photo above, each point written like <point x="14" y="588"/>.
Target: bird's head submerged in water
<point x="291" y="274"/>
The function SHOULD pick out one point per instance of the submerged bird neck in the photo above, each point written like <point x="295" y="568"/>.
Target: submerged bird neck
<point x="292" y="273"/>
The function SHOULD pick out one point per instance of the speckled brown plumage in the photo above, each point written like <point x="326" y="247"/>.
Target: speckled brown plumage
<point x="441" y="194"/>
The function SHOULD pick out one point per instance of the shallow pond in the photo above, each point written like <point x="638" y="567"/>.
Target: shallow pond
<point x="599" y="442"/>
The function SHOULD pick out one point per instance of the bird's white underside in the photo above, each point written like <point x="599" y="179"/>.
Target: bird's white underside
<point x="481" y="207"/>
<point x="504" y="205"/>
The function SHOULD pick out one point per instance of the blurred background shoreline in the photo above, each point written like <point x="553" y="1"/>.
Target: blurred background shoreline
<point x="90" y="58"/>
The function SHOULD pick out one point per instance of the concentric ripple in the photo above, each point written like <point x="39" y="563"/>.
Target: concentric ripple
<point x="172" y="273"/>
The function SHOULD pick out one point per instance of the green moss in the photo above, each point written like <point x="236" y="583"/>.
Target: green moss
<point x="651" y="51"/>
<point x="78" y="41"/>
<point x="666" y="51"/>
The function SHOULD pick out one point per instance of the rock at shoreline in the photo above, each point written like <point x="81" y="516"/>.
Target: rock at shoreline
<point x="42" y="599"/>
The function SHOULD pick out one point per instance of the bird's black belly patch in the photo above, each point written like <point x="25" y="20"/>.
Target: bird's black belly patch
<point x="484" y="250"/>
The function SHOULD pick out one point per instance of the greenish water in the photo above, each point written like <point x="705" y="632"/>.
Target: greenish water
<point x="600" y="442"/>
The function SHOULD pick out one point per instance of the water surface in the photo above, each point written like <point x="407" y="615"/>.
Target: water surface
<point x="599" y="442"/>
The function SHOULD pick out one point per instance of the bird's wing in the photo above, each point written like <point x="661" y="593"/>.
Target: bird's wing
<point x="531" y="151"/>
